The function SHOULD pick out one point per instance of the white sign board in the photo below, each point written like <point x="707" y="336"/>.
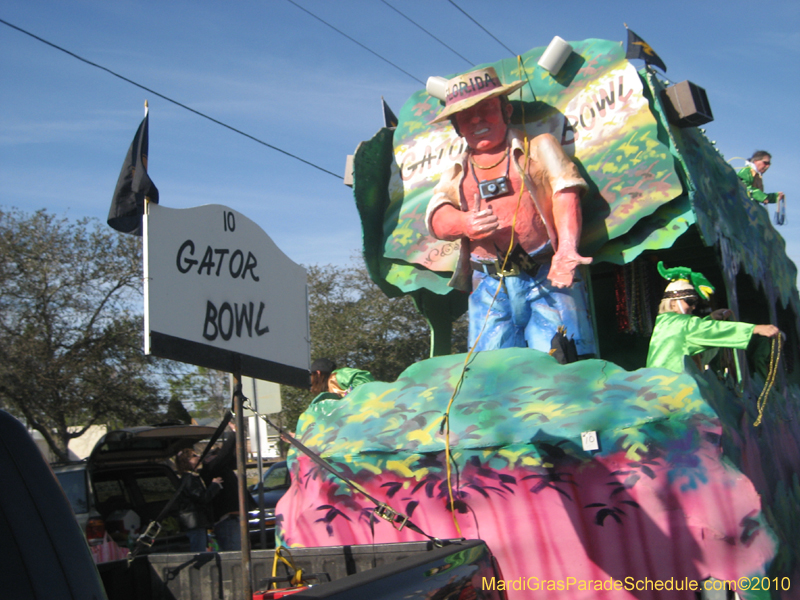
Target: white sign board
<point x="264" y="396"/>
<point x="269" y="446"/>
<point x="220" y="294"/>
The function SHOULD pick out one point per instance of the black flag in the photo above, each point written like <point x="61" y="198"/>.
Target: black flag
<point x="389" y="120"/>
<point x="133" y="186"/>
<point x="638" y="48"/>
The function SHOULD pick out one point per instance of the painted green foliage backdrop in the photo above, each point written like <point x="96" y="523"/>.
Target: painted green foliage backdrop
<point x="508" y="397"/>
<point x="521" y="479"/>
<point x="597" y="108"/>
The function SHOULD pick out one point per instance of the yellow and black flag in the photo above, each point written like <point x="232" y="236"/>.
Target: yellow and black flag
<point x="133" y="186"/>
<point x="638" y="48"/>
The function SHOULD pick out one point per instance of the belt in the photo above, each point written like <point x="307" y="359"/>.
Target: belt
<point x="495" y="269"/>
<point x="518" y="262"/>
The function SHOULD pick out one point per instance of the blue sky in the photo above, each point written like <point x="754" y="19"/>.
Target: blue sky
<point x="277" y="73"/>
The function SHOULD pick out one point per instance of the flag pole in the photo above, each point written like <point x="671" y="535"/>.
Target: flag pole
<point x="146" y="198"/>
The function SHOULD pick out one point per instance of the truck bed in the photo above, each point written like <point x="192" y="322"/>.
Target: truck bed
<point x="415" y="569"/>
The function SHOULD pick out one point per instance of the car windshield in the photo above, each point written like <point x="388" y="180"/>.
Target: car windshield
<point x="276" y="477"/>
<point x="74" y="485"/>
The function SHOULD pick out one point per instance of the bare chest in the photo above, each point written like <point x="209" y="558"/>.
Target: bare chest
<point x="518" y="219"/>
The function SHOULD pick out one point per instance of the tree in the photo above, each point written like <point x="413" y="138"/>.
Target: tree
<point x="70" y="339"/>
<point x="354" y="324"/>
<point x="205" y="391"/>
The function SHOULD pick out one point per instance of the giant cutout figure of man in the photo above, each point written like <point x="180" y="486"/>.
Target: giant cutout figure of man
<point x="498" y="196"/>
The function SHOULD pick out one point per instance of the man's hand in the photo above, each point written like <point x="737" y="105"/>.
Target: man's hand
<point x="781" y="196"/>
<point x="563" y="265"/>
<point x="451" y="223"/>
<point x="769" y="331"/>
<point x="479" y="224"/>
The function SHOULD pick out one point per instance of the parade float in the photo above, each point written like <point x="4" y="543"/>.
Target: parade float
<point x="597" y="478"/>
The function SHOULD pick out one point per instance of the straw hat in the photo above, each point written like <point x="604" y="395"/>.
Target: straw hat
<point x="680" y="289"/>
<point x="465" y="91"/>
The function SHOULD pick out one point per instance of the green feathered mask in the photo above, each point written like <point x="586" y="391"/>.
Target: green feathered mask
<point x="701" y="285"/>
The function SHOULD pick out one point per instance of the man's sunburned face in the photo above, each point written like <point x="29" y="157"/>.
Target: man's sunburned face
<point x="483" y="125"/>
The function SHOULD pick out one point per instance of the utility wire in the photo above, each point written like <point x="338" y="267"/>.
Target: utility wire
<point x="168" y="99"/>
<point x="482" y="27"/>
<point x="355" y="41"/>
<point x="428" y="32"/>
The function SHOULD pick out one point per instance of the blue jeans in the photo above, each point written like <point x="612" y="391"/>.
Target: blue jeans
<point x="228" y="533"/>
<point x="528" y="311"/>
<point x="198" y="540"/>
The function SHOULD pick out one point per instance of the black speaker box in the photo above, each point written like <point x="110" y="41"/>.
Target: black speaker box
<point x="687" y="105"/>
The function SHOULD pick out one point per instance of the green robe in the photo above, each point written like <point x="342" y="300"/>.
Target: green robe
<point x="349" y="378"/>
<point x="676" y="336"/>
<point x="755" y="186"/>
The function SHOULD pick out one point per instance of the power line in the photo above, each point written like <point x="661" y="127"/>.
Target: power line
<point x="168" y="99"/>
<point x="482" y="27"/>
<point x="339" y="31"/>
<point x="428" y="32"/>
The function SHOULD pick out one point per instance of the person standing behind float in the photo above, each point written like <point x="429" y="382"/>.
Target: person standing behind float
<point x="221" y="464"/>
<point x="678" y="333"/>
<point x="194" y="512"/>
<point x="752" y="176"/>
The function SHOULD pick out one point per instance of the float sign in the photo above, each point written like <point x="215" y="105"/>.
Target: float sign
<point x="220" y="294"/>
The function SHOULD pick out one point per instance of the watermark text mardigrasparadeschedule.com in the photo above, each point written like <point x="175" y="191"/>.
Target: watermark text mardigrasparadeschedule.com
<point x="630" y="584"/>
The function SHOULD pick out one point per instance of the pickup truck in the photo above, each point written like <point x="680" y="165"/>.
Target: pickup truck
<point x="45" y="555"/>
<point x="459" y="569"/>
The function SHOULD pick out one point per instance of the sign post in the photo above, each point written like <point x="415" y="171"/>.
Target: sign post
<point x="241" y="472"/>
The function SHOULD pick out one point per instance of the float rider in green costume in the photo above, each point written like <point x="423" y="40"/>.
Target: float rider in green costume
<point x="678" y="333"/>
<point x="331" y="383"/>
<point x="752" y="176"/>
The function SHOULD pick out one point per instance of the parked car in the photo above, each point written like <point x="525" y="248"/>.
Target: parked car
<point x="126" y="481"/>
<point x="275" y="484"/>
<point x="43" y="554"/>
